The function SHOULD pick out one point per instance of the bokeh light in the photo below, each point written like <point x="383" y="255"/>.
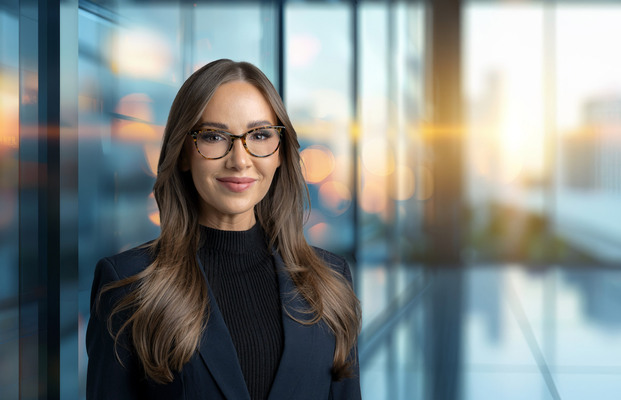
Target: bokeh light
<point x="373" y="197"/>
<point x="335" y="196"/>
<point x="9" y="112"/>
<point x="378" y="157"/>
<point x="317" y="163"/>
<point x="135" y="114"/>
<point x="141" y="53"/>
<point x="153" y="211"/>
<point x="152" y="156"/>
<point x="424" y="183"/>
<point x="317" y="233"/>
<point x="302" y="49"/>
<point x="402" y="183"/>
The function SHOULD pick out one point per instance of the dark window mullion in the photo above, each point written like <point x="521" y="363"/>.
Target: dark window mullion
<point x="49" y="196"/>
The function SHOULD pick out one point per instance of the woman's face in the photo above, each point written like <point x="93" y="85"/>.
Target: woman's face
<point x="231" y="186"/>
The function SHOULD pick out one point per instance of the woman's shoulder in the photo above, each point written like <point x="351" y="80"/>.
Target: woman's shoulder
<point x="334" y="261"/>
<point x="118" y="267"/>
<point x="128" y="262"/>
<point x="329" y="257"/>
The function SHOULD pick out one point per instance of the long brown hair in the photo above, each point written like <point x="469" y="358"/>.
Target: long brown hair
<point x="169" y="299"/>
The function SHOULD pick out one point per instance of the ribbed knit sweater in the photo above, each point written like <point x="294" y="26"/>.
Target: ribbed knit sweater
<point x="241" y="274"/>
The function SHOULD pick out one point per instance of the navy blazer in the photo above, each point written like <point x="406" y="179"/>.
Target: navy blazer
<point x="213" y="372"/>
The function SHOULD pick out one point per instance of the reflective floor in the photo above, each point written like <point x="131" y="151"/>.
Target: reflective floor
<point x="493" y="332"/>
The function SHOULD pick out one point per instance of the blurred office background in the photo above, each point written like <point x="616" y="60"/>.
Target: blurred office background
<point x="465" y="156"/>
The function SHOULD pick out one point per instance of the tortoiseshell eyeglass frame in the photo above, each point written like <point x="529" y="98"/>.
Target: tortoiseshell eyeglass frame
<point x="194" y="134"/>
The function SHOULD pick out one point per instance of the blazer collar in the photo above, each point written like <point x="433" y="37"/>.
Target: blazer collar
<point x="218" y="352"/>
<point x="219" y="355"/>
<point x="299" y="339"/>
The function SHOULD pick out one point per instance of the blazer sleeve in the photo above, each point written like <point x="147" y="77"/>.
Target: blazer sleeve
<point x="348" y="388"/>
<point x="107" y="378"/>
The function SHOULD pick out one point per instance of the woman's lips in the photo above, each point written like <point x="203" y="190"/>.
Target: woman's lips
<point x="236" y="184"/>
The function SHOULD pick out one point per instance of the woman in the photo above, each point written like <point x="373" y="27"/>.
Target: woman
<point x="229" y="302"/>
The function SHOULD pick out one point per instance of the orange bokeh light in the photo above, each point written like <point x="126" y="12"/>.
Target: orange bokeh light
<point x="136" y="105"/>
<point x="317" y="232"/>
<point x="373" y="197"/>
<point x="152" y="155"/>
<point x="335" y="196"/>
<point x="9" y="111"/>
<point x="154" y="213"/>
<point x="317" y="163"/>
<point x="137" y="108"/>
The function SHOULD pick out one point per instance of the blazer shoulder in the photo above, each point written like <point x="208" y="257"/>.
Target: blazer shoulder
<point x="334" y="261"/>
<point x="129" y="262"/>
<point x="118" y="267"/>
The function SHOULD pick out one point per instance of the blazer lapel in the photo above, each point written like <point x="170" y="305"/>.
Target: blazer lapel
<point x="219" y="355"/>
<point x="299" y="339"/>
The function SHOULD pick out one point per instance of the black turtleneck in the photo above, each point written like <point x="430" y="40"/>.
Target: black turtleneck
<point x="240" y="271"/>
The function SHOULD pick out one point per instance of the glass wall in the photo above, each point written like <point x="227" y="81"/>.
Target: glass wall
<point x="536" y="176"/>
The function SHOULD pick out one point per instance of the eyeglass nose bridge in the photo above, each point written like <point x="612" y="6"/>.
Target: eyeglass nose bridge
<point x="243" y="140"/>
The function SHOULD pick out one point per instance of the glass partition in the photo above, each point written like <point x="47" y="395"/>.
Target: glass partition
<point x="9" y="200"/>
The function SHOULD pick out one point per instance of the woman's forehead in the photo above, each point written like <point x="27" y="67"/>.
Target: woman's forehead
<point x="238" y="105"/>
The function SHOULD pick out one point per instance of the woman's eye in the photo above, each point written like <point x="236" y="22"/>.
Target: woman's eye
<point x="261" y="135"/>
<point x="212" y="137"/>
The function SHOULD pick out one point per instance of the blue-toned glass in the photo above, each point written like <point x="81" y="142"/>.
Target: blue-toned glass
<point x="213" y="144"/>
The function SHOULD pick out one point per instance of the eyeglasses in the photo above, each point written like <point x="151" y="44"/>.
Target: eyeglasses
<point x="260" y="142"/>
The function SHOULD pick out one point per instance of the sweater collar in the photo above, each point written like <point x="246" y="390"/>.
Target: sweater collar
<point x="233" y="241"/>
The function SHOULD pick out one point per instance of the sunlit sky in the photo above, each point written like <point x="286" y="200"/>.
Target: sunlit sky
<point x="509" y="41"/>
<point x="526" y="66"/>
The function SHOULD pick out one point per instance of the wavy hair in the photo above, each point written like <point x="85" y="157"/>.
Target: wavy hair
<point x="168" y="304"/>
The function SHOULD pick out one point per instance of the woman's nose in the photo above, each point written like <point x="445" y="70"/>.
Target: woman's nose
<point x="238" y="157"/>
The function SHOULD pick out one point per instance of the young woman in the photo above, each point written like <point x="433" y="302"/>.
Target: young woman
<point x="230" y="301"/>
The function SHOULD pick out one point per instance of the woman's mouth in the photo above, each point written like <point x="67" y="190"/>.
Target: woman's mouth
<point x="236" y="184"/>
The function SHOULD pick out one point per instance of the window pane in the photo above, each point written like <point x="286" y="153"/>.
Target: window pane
<point x="588" y="89"/>
<point x="318" y="98"/>
<point x="9" y="196"/>
<point x="392" y="193"/>
<point x="507" y="174"/>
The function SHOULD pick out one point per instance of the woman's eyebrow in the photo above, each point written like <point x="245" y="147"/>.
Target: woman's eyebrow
<point x="217" y="125"/>
<point x="256" y="124"/>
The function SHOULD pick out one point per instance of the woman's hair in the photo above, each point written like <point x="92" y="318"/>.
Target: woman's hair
<point x="169" y="299"/>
